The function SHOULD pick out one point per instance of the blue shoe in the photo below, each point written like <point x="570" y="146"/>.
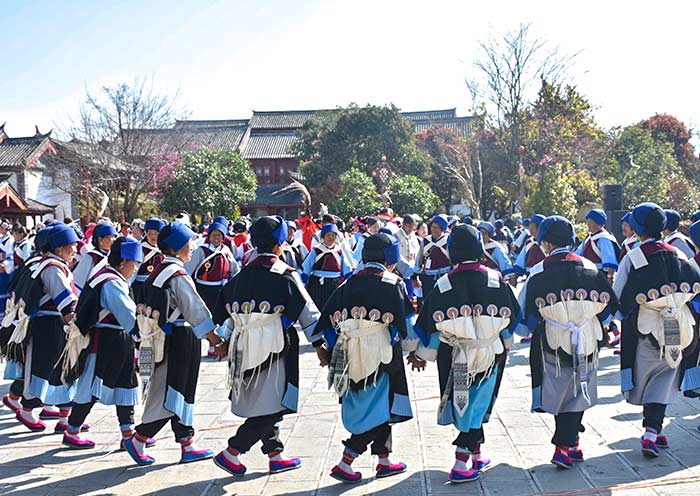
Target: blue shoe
<point x="285" y="465"/>
<point x="142" y="460"/>
<point x="649" y="448"/>
<point x="480" y="464"/>
<point x="389" y="470"/>
<point x="460" y="476"/>
<point x="195" y="455"/>
<point x="561" y="459"/>
<point x="222" y="462"/>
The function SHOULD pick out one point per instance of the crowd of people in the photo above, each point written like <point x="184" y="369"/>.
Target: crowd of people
<point x="116" y="313"/>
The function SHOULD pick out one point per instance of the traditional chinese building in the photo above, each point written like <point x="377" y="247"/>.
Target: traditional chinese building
<point x="266" y="141"/>
<point x="33" y="183"/>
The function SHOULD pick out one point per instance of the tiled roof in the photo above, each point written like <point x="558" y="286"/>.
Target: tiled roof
<point x="15" y="152"/>
<point x="463" y="126"/>
<point x="287" y="119"/>
<point x="269" y="145"/>
<point x="221" y="138"/>
<point x="429" y="115"/>
<point x="200" y="124"/>
<point x="265" y="196"/>
<point x="37" y="206"/>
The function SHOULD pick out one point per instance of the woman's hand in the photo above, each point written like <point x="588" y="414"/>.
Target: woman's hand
<point x="416" y="362"/>
<point x="324" y="356"/>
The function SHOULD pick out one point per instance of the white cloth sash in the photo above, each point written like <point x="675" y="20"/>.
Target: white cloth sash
<point x="650" y="321"/>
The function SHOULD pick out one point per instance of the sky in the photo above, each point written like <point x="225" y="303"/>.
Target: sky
<point x="230" y="57"/>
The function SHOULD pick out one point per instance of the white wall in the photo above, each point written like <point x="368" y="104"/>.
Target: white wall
<point x="43" y="186"/>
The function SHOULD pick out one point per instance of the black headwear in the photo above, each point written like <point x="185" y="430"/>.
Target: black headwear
<point x="268" y="232"/>
<point x="382" y="248"/>
<point x="464" y="243"/>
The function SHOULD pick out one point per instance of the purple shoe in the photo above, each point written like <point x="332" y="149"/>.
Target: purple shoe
<point x="139" y="459"/>
<point x="649" y="448"/>
<point x="460" y="476"/>
<point x="339" y="474"/>
<point x="223" y="463"/>
<point x="389" y="470"/>
<point x="480" y="464"/>
<point x="526" y="339"/>
<point x="61" y="428"/>
<point x="562" y="459"/>
<point x="76" y="442"/>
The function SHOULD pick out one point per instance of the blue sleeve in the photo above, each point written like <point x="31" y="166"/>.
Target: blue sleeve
<point x="520" y="261"/>
<point x="434" y="342"/>
<point x="504" y="264"/>
<point x="607" y="253"/>
<point x="345" y="269"/>
<point x="308" y="265"/>
<point x="357" y="252"/>
<point x="579" y="249"/>
<point x="115" y="298"/>
<point x="527" y="322"/>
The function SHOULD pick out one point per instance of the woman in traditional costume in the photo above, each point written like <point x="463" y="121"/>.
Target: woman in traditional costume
<point x="565" y="302"/>
<point x="466" y="324"/>
<point x="259" y="308"/>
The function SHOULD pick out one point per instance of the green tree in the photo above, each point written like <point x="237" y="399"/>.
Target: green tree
<point x="357" y="195"/>
<point x="646" y="166"/>
<point x="207" y="181"/>
<point x="553" y="194"/>
<point x="410" y="195"/>
<point x="339" y="140"/>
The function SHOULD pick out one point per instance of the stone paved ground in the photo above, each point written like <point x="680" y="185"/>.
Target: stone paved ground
<point x="517" y="442"/>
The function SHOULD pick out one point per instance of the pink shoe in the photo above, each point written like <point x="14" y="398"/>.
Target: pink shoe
<point x="339" y="474"/>
<point x="37" y="426"/>
<point x="389" y="470"/>
<point x="223" y="463"/>
<point x="76" y="442"/>
<point x="285" y="465"/>
<point x="138" y="458"/>
<point x="49" y="414"/>
<point x="8" y="402"/>
<point x="480" y="464"/>
<point x="195" y="454"/>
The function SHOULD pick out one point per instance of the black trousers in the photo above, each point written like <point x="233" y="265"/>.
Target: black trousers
<point x="17" y="387"/>
<point x="150" y="429"/>
<point x="470" y="440"/>
<point x="80" y="411"/>
<point x="654" y="414"/>
<point x="254" y="429"/>
<point x="568" y="425"/>
<point x="379" y="437"/>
